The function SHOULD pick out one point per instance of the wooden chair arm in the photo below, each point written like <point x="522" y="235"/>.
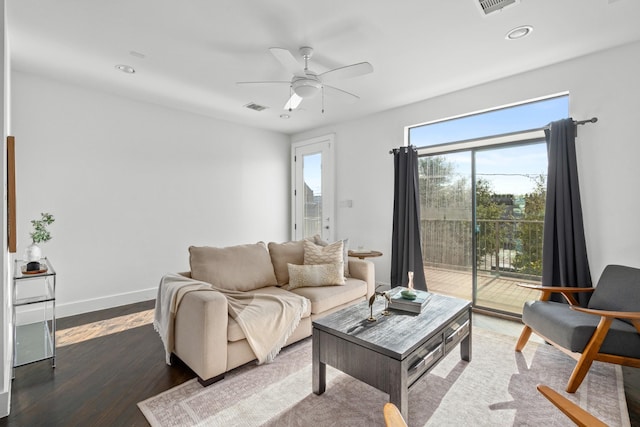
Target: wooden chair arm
<point x="578" y="415"/>
<point x="631" y="315"/>
<point x="566" y="291"/>
<point x="555" y="288"/>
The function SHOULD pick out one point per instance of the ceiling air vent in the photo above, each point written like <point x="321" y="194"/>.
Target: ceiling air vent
<point x="256" y="107"/>
<point x="489" y="6"/>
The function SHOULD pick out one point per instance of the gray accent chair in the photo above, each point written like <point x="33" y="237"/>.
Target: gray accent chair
<point x="608" y="330"/>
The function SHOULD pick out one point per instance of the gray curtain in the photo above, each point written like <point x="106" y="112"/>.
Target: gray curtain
<point x="564" y="258"/>
<point x="406" y="252"/>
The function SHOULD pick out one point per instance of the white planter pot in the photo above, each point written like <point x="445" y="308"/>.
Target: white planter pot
<point x="33" y="253"/>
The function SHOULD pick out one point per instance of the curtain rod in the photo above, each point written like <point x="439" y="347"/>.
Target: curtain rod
<point x="395" y="150"/>
<point x="584" y="122"/>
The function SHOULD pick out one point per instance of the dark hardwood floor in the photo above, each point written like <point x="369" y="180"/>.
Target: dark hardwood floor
<point x="98" y="382"/>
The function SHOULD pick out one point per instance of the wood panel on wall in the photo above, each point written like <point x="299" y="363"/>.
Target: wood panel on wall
<point x="11" y="194"/>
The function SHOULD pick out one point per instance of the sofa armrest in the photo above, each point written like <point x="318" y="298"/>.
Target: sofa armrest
<point x="363" y="270"/>
<point x="201" y="332"/>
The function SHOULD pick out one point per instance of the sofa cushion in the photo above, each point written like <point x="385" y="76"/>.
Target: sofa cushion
<point x="317" y="239"/>
<point x="239" y="268"/>
<point x="234" y="332"/>
<point x="324" y="298"/>
<point x="315" y="254"/>
<point x="315" y="275"/>
<point x="285" y="253"/>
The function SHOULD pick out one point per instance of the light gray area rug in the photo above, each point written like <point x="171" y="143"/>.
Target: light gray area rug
<point x="497" y="388"/>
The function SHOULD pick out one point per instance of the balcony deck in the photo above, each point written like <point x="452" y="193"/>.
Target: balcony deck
<point x="495" y="291"/>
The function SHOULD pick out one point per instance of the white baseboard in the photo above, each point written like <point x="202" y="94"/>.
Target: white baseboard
<point x="84" y="306"/>
<point x="94" y="304"/>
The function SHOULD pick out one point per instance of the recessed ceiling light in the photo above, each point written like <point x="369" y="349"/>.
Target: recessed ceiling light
<point x="285" y="116"/>
<point x="125" y="68"/>
<point x="519" y="32"/>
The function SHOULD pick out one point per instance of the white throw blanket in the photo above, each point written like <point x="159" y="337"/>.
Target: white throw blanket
<point x="267" y="320"/>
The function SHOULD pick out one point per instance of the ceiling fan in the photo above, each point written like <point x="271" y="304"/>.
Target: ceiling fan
<point x="305" y="83"/>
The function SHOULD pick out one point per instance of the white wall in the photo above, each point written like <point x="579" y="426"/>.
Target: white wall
<point x="133" y="185"/>
<point x="5" y="309"/>
<point x="605" y="85"/>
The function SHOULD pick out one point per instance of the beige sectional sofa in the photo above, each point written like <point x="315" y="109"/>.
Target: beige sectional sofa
<point x="210" y="342"/>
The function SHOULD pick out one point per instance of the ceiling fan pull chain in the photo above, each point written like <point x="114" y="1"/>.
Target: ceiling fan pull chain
<point x="322" y="99"/>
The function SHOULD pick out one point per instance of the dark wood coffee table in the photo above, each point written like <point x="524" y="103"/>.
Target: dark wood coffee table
<point x="394" y="352"/>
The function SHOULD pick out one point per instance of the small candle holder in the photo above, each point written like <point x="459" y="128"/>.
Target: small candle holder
<point x="409" y="293"/>
<point x="371" y="301"/>
<point x="387" y="301"/>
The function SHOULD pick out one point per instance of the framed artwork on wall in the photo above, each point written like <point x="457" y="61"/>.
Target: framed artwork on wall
<point x="11" y="194"/>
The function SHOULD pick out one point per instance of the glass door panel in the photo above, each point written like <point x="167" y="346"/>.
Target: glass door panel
<point x="510" y="199"/>
<point x="312" y="194"/>
<point x="446" y="223"/>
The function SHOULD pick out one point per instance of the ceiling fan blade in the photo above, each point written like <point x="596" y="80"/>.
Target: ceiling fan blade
<point x="293" y="102"/>
<point x="264" y="83"/>
<point x="288" y="61"/>
<point x="347" y="72"/>
<point x="340" y="94"/>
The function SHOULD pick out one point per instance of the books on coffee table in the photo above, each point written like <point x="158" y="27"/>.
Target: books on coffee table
<point x="398" y="302"/>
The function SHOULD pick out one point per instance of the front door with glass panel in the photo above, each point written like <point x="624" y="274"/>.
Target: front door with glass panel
<point x="312" y="192"/>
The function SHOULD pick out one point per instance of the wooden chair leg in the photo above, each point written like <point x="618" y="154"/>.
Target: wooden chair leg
<point x="524" y="338"/>
<point x="590" y="351"/>
<point x="392" y="416"/>
<point x="578" y="415"/>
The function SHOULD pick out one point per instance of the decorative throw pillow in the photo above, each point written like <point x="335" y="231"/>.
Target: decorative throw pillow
<point x="318" y="240"/>
<point x="283" y="254"/>
<point x="239" y="268"/>
<point x="330" y="254"/>
<point x="315" y="275"/>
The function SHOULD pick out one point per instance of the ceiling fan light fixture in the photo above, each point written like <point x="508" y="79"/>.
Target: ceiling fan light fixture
<point x="306" y="88"/>
<point x="293" y="102"/>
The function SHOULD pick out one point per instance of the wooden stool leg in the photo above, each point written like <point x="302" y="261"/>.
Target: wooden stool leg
<point x="524" y="338"/>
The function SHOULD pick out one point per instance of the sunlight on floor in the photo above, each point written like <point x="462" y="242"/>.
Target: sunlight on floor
<point x="102" y="328"/>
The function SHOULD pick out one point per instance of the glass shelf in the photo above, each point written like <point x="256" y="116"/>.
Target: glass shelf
<point x="34" y="313"/>
<point x="20" y="274"/>
<point x="33" y="343"/>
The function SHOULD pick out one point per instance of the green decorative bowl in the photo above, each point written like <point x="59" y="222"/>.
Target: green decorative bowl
<point x="407" y="294"/>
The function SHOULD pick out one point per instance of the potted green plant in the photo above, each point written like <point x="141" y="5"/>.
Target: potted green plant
<point x="40" y="234"/>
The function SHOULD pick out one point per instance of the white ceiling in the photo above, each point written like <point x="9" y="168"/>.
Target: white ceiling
<point x="196" y="50"/>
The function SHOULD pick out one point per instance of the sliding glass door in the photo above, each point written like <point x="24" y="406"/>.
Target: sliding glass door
<point x="482" y="212"/>
<point x="483" y="181"/>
